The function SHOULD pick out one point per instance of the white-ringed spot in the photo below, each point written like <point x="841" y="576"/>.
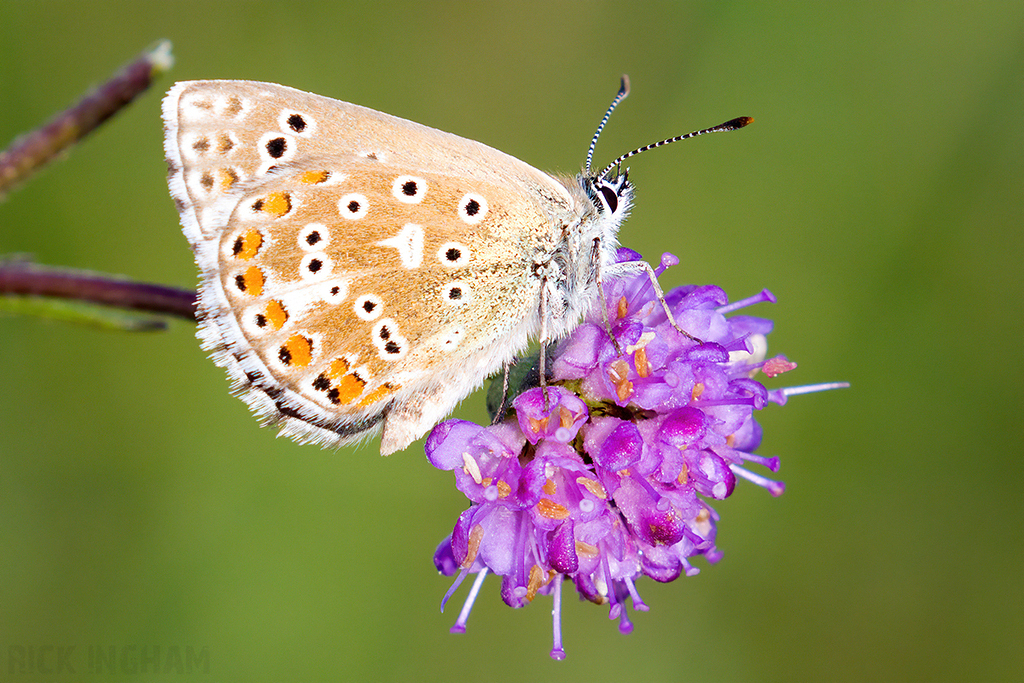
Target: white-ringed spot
<point x="453" y="254"/>
<point x="315" y="266"/>
<point x="457" y="293"/>
<point x="384" y="330"/>
<point x="352" y="206"/>
<point x="393" y="349"/>
<point x="334" y="292"/>
<point x="409" y="189"/>
<point x="368" y="307"/>
<point x="472" y="208"/>
<point x="314" y="237"/>
<point x="254" y="321"/>
<point x="276" y="148"/>
<point x="296" y="123"/>
<point x="409" y="243"/>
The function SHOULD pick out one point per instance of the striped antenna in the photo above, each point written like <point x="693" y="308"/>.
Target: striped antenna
<point x="734" y="124"/>
<point x="622" y="94"/>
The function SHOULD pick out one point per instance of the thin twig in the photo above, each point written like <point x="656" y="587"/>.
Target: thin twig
<point x="29" y="153"/>
<point x="26" y="278"/>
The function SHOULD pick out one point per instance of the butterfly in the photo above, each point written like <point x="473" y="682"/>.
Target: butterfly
<point x="363" y="273"/>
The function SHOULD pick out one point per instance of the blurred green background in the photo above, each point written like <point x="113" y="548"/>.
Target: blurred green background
<point x="879" y="195"/>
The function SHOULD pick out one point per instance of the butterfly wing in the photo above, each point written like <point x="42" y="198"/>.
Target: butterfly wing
<point x="358" y="270"/>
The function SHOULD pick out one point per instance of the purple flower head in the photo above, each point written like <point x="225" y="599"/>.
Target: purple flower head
<point x="604" y="476"/>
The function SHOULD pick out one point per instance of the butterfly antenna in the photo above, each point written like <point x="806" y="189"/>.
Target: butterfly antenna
<point x="734" y="124"/>
<point x="622" y="94"/>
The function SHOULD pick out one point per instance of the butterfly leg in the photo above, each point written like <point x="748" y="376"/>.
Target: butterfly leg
<point x="499" y="414"/>
<point x="634" y="266"/>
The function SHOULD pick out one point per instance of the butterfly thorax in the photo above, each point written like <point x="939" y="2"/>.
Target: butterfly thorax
<point x="587" y="243"/>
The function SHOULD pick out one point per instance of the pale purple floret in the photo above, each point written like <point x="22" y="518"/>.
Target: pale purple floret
<point x="606" y="478"/>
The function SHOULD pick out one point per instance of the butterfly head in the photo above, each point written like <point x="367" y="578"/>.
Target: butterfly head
<point x="611" y="196"/>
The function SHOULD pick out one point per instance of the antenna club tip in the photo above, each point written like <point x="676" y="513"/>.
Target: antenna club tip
<point x="740" y="122"/>
<point x="624" y="85"/>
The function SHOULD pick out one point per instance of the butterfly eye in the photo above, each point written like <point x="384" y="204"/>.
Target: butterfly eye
<point x="610" y="197"/>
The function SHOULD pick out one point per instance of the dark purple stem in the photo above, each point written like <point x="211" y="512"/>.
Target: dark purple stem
<point x="29" y="153"/>
<point x="21" y="277"/>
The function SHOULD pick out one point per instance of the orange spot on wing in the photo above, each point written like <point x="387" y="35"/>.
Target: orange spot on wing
<point x="379" y="393"/>
<point x="248" y="244"/>
<point x="277" y="204"/>
<point x="339" y="367"/>
<point x="276" y="315"/>
<point x="314" y="177"/>
<point x="228" y="177"/>
<point x="251" y="282"/>
<point x="300" y="349"/>
<point x="349" y="387"/>
<point x="345" y="386"/>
